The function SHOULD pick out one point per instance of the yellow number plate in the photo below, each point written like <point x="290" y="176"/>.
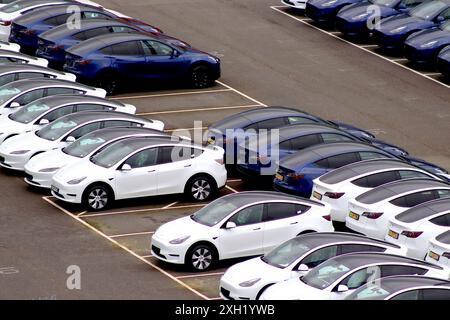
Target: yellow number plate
<point x="434" y="255"/>
<point x="353" y="215"/>
<point x="279" y="177"/>
<point x="317" y="195"/>
<point x="393" y="234"/>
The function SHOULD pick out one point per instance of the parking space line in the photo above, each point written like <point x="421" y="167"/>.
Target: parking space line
<point x="169" y="94"/>
<point x="276" y="8"/>
<point x="171" y="205"/>
<point x="216" y="298"/>
<point x="131" y="234"/>
<point x="147" y="256"/>
<point x="87" y="225"/>
<point x="234" y="180"/>
<point x="81" y="213"/>
<point x="201" y="275"/>
<point x="242" y="94"/>
<point x="198" y="109"/>
<point x="369" y="46"/>
<point x="399" y="59"/>
<point x="231" y="189"/>
<point x="432" y="74"/>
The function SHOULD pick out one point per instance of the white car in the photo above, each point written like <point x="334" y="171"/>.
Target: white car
<point x="19" y="93"/>
<point x="9" y="46"/>
<point x="340" y="186"/>
<point x="18" y="150"/>
<point x="248" y="280"/>
<point x="415" y="227"/>
<point x="142" y="167"/>
<point x="35" y="115"/>
<point x="296" y="4"/>
<point x="15" y="9"/>
<point x="41" y="168"/>
<point x="439" y="250"/>
<point x="338" y="277"/>
<point x="238" y="225"/>
<point x="370" y="212"/>
<point x="8" y="57"/>
<point x="10" y="73"/>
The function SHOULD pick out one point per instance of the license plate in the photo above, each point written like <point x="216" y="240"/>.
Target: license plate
<point x="393" y="234"/>
<point x="434" y="255"/>
<point x="211" y="141"/>
<point x="353" y="215"/>
<point x="279" y="177"/>
<point x="317" y="195"/>
<point x="55" y="189"/>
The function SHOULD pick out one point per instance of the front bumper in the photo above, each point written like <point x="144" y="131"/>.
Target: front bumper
<point x="14" y="162"/>
<point x="167" y="252"/>
<point x="67" y="193"/>
<point x="321" y="14"/>
<point x="295" y="5"/>
<point x="427" y="56"/>
<point x="228" y="291"/>
<point x="351" y="27"/>
<point x="392" y="41"/>
<point x="39" y="179"/>
<point x="444" y="67"/>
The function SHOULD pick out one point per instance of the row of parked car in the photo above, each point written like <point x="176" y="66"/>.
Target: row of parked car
<point x="420" y="29"/>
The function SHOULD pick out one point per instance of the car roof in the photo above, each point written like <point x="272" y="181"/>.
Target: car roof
<point x="398" y="187"/>
<point x="29" y="3"/>
<point x="12" y="68"/>
<point x="361" y="168"/>
<point x="359" y="259"/>
<point x="36" y="83"/>
<point x="117" y="132"/>
<point x="424" y="210"/>
<point x="59" y="99"/>
<point x="325" y="150"/>
<point x="290" y="131"/>
<point x="4" y="52"/>
<point x="136" y="143"/>
<point x="247" y="197"/>
<point x="444" y="237"/>
<point x="45" y="12"/>
<point x="86" y="116"/>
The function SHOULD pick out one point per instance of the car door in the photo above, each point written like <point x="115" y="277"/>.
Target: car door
<point x="129" y="59"/>
<point x="141" y="180"/>
<point x="162" y="61"/>
<point x="246" y="239"/>
<point x="353" y="281"/>
<point x="282" y="223"/>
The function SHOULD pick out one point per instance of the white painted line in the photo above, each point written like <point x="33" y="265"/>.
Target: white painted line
<point x="242" y="94"/>
<point x="369" y="46"/>
<point x="87" y="225"/>
<point x="333" y="32"/>
<point x="201" y="275"/>
<point x="131" y="234"/>
<point x="231" y="189"/>
<point x="198" y="109"/>
<point x="170" y="94"/>
<point x="171" y="204"/>
<point x="360" y="47"/>
<point x="147" y="256"/>
<point x="216" y="298"/>
<point x="81" y="213"/>
<point x="432" y="74"/>
<point x="399" y="59"/>
<point x="141" y="210"/>
<point x="234" y="180"/>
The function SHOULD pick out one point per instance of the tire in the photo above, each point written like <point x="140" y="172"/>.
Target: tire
<point x="201" y="77"/>
<point x="201" y="257"/>
<point x="110" y="82"/>
<point x="97" y="198"/>
<point x="200" y="188"/>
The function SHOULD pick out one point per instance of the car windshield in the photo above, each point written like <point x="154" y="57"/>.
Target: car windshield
<point x="7" y="92"/>
<point x="56" y="129"/>
<point x="386" y="3"/>
<point x="13" y="7"/>
<point x="214" y="212"/>
<point x="429" y="10"/>
<point x="325" y="274"/>
<point x="29" y="112"/>
<point x="84" y="146"/>
<point x="112" y="154"/>
<point x="285" y="254"/>
<point x="372" y="291"/>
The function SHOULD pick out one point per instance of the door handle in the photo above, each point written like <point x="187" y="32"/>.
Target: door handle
<point x="294" y="222"/>
<point x="151" y="171"/>
<point x="257" y="229"/>
<point x="188" y="165"/>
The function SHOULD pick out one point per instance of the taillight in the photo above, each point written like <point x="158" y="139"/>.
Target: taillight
<point x="56" y="47"/>
<point x="446" y="255"/>
<point x="83" y="62"/>
<point x="5" y="23"/>
<point x="334" y="195"/>
<point x="372" y="215"/>
<point x="327" y="217"/>
<point x="412" y="234"/>
<point x="219" y="161"/>
<point x="295" y="176"/>
<point x="29" y="32"/>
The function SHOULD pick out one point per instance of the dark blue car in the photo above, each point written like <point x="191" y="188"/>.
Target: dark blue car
<point x="264" y="151"/>
<point x="53" y="43"/>
<point x="296" y="172"/>
<point x="112" y="60"/>
<point x="424" y="46"/>
<point x="353" y="19"/>
<point x="325" y="11"/>
<point x="393" y="31"/>
<point x="443" y="62"/>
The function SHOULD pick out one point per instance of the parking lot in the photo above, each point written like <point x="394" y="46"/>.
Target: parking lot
<point x="270" y="56"/>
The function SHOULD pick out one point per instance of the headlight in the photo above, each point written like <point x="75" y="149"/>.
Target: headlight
<point x="329" y="3"/>
<point x="179" y="240"/>
<point x="49" y="169"/>
<point x="360" y="16"/>
<point x="399" y="29"/>
<point x="20" y="152"/>
<point x="76" y="181"/>
<point x="429" y="44"/>
<point x="249" y="283"/>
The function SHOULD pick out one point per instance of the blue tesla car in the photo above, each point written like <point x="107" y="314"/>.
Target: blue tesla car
<point x="53" y="43"/>
<point x="353" y="19"/>
<point x="263" y="151"/>
<point x="443" y="62"/>
<point x="324" y="11"/>
<point x="110" y="61"/>
<point x="393" y="31"/>
<point x="424" y="46"/>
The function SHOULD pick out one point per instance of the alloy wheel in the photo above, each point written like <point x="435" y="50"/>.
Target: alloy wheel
<point x="202" y="258"/>
<point x="201" y="189"/>
<point x="98" y="198"/>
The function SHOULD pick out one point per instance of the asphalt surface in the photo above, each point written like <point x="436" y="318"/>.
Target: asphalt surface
<point x="265" y="55"/>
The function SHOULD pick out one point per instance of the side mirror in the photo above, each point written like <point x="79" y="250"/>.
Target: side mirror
<point x="440" y="19"/>
<point x="175" y="54"/>
<point x="43" y="122"/>
<point x="14" y="105"/>
<point x="342" y="288"/>
<point x="230" y="225"/>
<point x="303" y="268"/>
<point x="126" y="167"/>
<point x="70" y="139"/>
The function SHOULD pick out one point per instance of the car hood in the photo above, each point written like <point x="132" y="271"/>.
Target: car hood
<point x="252" y="269"/>
<point x="7" y="125"/>
<point x="351" y="12"/>
<point x="354" y="130"/>
<point x="425" y="36"/>
<point x="49" y="159"/>
<point x="293" y="289"/>
<point x="181" y="227"/>
<point x="403" y="20"/>
<point x="82" y="168"/>
<point x="27" y="141"/>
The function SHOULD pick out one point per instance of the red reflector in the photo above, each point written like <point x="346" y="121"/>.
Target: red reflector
<point x="328" y="217"/>
<point x="295" y="176"/>
<point x="372" y="215"/>
<point x="412" y="234"/>
<point x="5" y="23"/>
<point x="334" y="195"/>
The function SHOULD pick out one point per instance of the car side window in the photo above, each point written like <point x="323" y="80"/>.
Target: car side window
<point x="30" y="96"/>
<point x="116" y="123"/>
<point x="408" y="295"/>
<point x="122" y="29"/>
<point x="349" y="248"/>
<point x="30" y="75"/>
<point x="443" y="221"/>
<point x="367" y="155"/>
<point x="323" y="163"/>
<point x="445" y="14"/>
<point x="90" y="107"/>
<point x="85" y="129"/>
<point x="58" y="20"/>
<point x="410" y="174"/>
<point x="443" y="193"/>
<point x="144" y="158"/>
<point x="58" y="113"/>
<point x="129" y="48"/>
<point x="410" y="3"/>
<point x="286" y="145"/>
<point x="94" y="15"/>
<point x="276" y="211"/>
<point x="271" y="123"/>
<point x="342" y="160"/>
<point x="333" y="137"/>
<point x="376" y="179"/>
<point x="96" y="32"/>
<point x="394" y="270"/>
<point x="414" y="199"/>
<point x="170" y="154"/>
<point x="300" y="143"/>
<point x="317" y="257"/>
<point x="8" y="60"/>
<point x="249" y="215"/>
<point x="156" y="48"/>
<point x="300" y="120"/>
<point x="7" y="78"/>
<point x="356" y="279"/>
<point x="434" y="294"/>
<point x="54" y="91"/>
